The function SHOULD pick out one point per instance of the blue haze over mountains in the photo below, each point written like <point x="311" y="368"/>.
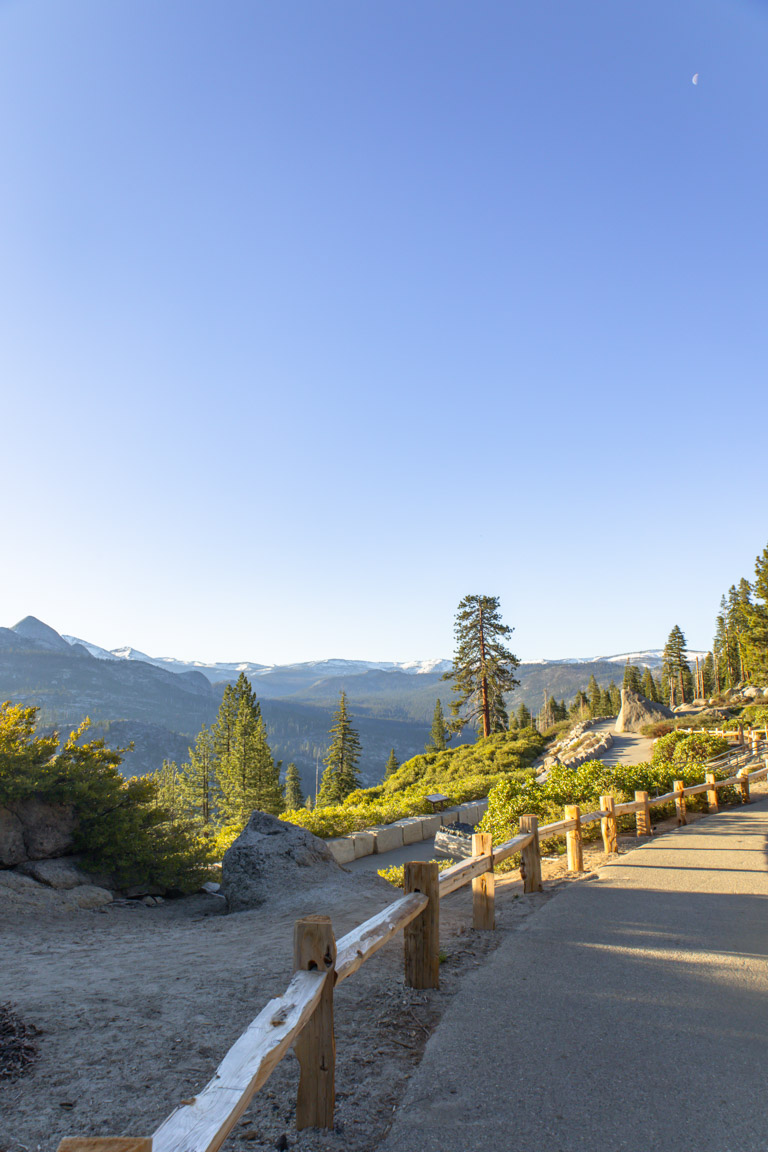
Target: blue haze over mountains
<point x="160" y="703"/>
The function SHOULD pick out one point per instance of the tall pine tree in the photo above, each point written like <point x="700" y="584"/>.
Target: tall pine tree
<point x="708" y="674"/>
<point x="615" y="692"/>
<point x="294" y="796"/>
<point x="199" y="778"/>
<point x="595" y="696"/>
<point x="248" y="777"/>
<point x="483" y="667"/>
<point x="756" y="614"/>
<point x="648" y="686"/>
<point x="675" y="666"/>
<point x="340" y="776"/>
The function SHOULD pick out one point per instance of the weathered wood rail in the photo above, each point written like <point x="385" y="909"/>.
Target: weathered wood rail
<point x="302" y="1017"/>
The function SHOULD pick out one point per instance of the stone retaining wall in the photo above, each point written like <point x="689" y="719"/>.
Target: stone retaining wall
<point x="411" y="830"/>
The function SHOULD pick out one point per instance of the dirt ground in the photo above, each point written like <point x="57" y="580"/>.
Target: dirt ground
<point x="134" y="1007"/>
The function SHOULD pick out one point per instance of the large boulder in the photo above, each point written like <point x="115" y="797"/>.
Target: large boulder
<point x="48" y="829"/>
<point x="62" y="873"/>
<point x="12" y="850"/>
<point x="271" y="859"/>
<point x="637" y="711"/>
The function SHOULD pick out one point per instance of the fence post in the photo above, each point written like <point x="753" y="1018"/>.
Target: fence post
<point x="314" y="950"/>
<point x="743" y="775"/>
<point x="608" y="825"/>
<point x="643" y="817"/>
<point x="679" y="786"/>
<point x="530" y="869"/>
<point x="422" y="936"/>
<point x="484" y="886"/>
<point x="712" y="804"/>
<point x="573" y="839"/>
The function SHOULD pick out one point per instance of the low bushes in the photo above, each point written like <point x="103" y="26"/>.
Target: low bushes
<point x="465" y="773"/>
<point x="395" y="874"/>
<point x="121" y="828"/>
<point x="676" y="756"/>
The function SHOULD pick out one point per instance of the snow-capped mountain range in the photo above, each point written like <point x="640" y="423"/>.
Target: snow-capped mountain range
<point x="223" y="670"/>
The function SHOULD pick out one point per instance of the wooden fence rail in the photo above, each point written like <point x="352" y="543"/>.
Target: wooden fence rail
<point x="302" y="1017"/>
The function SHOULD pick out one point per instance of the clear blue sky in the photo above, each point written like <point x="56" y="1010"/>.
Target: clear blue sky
<point x="317" y="316"/>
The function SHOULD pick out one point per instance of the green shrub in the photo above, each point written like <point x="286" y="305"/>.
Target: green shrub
<point x="658" y="728"/>
<point x="120" y="826"/>
<point x="462" y="774"/>
<point x="682" y="748"/>
<point x="677" y="756"/>
<point x="395" y="874"/>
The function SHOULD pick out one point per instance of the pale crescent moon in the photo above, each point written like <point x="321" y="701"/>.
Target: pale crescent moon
<point x="695" y="79"/>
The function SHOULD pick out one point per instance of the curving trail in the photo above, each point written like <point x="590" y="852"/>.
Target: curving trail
<point x="630" y="1013"/>
<point x="628" y="748"/>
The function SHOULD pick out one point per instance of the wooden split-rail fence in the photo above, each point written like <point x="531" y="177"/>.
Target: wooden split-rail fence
<point x="302" y="1017"/>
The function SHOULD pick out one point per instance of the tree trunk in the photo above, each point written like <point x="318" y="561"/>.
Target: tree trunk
<point x="484" y="682"/>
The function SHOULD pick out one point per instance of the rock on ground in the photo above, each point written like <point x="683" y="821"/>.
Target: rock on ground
<point x="637" y="711"/>
<point x="32" y="829"/>
<point x="272" y="859"/>
<point x="22" y="892"/>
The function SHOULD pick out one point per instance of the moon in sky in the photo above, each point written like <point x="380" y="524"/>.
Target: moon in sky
<point x="695" y="79"/>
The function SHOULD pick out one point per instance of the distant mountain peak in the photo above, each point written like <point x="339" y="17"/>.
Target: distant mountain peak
<point x="33" y="629"/>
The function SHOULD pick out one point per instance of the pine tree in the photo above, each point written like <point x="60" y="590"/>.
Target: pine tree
<point x="595" y="696"/>
<point x="340" y="776"/>
<point x="722" y="649"/>
<point x="391" y="765"/>
<point x="169" y="791"/>
<point x="675" y="663"/>
<point x="198" y="778"/>
<point x="756" y="621"/>
<point x="248" y="776"/>
<point x="293" y="794"/>
<point x="483" y="668"/>
<point x="607" y="704"/>
<point x="632" y="679"/>
<point x="524" y="718"/>
<point x="437" y="734"/>
<point x="615" y="692"/>
<point x="224" y="724"/>
<point x="708" y="674"/>
<point x="648" y="685"/>
<point x="579" y="709"/>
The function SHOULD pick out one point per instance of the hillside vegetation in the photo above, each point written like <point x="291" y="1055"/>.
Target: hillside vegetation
<point x="676" y="756"/>
<point x="467" y="772"/>
<point x="121" y="827"/>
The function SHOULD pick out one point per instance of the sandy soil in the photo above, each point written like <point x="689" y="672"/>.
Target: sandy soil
<point x="136" y="1006"/>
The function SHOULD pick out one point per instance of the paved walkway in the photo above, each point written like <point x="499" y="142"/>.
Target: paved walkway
<point x="627" y="747"/>
<point x="631" y="1012"/>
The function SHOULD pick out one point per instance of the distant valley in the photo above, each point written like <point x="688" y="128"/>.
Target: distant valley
<point x="161" y="703"/>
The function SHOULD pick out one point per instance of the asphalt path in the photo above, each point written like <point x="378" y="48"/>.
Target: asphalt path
<point x="631" y="1012"/>
<point x="627" y="747"/>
